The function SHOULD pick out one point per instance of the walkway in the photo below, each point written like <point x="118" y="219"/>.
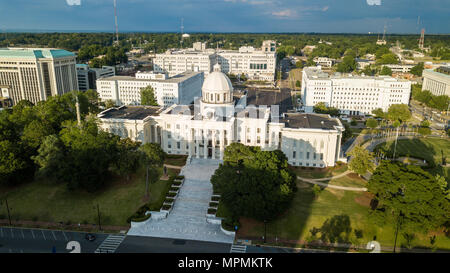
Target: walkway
<point x="317" y="182"/>
<point x="187" y="220"/>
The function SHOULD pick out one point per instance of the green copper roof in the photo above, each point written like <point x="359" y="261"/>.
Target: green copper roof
<point x="34" y="53"/>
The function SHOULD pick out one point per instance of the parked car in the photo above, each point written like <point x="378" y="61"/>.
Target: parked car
<point x="90" y="237"/>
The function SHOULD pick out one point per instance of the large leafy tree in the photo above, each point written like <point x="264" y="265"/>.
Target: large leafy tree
<point x="362" y="161"/>
<point x="153" y="157"/>
<point x="418" y="69"/>
<point x="348" y="64"/>
<point x="148" y="96"/>
<point x="127" y="158"/>
<point x="254" y="183"/>
<point x="399" y="112"/>
<point x="407" y="191"/>
<point x="321" y="108"/>
<point x="51" y="159"/>
<point x="13" y="166"/>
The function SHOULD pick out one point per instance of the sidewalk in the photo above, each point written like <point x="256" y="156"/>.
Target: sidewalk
<point x="63" y="226"/>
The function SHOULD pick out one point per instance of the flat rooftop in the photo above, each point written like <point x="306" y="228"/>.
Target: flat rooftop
<point x="310" y="121"/>
<point x="130" y="112"/>
<point x="175" y="79"/>
<point x="314" y="73"/>
<point x="34" y="53"/>
<point x="281" y="98"/>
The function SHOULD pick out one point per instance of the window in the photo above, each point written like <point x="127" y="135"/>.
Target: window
<point x="169" y="135"/>
<point x="307" y="155"/>
<point x="293" y="154"/>
<point x="169" y="144"/>
<point x="178" y="145"/>
<point x="321" y="156"/>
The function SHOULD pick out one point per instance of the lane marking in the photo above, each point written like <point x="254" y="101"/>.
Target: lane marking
<point x="54" y="235"/>
<point x="32" y="233"/>
<point x="1" y="229"/>
<point x="12" y="233"/>
<point x="23" y="235"/>
<point x="65" y="235"/>
<point x="43" y="234"/>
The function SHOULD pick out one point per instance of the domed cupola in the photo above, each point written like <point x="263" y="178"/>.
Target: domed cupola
<point x="217" y="88"/>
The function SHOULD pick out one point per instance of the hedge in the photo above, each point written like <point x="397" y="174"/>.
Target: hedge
<point x="166" y="207"/>
<point x="179" y="177"/>
<point x="141" y="219"/>
<point x="168" y="200"/>
<point x="213" y="204"/>
<point x="212" y="211"/>
<point x="215" y="198"/>
<point x="171" y="194"/>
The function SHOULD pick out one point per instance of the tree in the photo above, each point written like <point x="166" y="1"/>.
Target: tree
<point x="372" y="123"/>
<point x="153" y="157"/>
<point x="361" y="161"/>
<point x="348" y="64"/>
<point x="51" y="159"/>
<point x="399" y="112"/>
<point x="417" y="69"/>
<point x="378" y="112"/>
<point x="148" y="96"/>
<point x="409" y="192"/>
<point x="321" y="108"/>
<point x="298" y="84"/>
<point x="12" y="166"/>
<point x="254" y="183"/>
<point x="127" y="158"/>
<point x="110" y="104"/>
<point x="386" y="71"/>
<point x="388" y="58"/>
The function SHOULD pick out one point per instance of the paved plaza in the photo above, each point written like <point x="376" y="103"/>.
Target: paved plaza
<point x="188" y="217"/>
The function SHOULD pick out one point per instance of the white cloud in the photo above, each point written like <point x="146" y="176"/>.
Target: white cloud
<point x="73" y="2"/>
<point x="373" y="2"/>
<point x="287" y="13"/>
<point x="325" y="8"/>
<point x="251" y="2"/>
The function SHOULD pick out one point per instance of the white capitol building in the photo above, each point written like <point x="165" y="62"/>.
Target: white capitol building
<point x="218" y="118"/>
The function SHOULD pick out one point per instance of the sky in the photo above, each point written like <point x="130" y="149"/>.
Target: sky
<point x="263" y="16"/>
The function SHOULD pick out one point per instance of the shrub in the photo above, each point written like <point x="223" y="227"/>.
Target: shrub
<point x="212" y="211"/>
<point x="317" y="190"/>
<point x="215" y="198"/>
<point x="213" y="204"/>
<point x="168" y="200"/>
<point x="179" y="177"/>
<point x="358" y="233"/>
<point x="171" y="194"/>
<point x="166" y="207"/>
<point x="176" y="183"/>
<point x="174" y="188"/>
<point x="141" y="219"/>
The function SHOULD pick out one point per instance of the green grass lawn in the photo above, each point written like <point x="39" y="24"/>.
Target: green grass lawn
<point x="314" y="173"/>
<point x="430" y="149"/>
<point x="52" y="202"/>
<point x="307" y="212"/>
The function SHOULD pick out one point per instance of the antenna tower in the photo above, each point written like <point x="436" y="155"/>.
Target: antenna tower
<point x="115" y="20"/>
<point x="422" y="39"/>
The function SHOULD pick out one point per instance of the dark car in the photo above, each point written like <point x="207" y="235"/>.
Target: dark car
<point x="90" y="237"/>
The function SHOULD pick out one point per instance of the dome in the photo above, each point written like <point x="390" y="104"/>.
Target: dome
<point x="217" y="88"/>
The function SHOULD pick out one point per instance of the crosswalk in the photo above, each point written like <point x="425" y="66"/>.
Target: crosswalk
<point x="110" y="244"/>
<point x="238" y="249"/>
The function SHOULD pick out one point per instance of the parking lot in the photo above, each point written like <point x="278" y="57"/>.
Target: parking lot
<point x="24" y="240"/>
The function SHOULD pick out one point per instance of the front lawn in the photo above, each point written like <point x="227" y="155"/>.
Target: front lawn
<point x="311" y="172"/>
<point x="175" y="160"/>
<point x="52" y="202"/>
<point x="430" y="149"/>
<point x="306" y="212"/>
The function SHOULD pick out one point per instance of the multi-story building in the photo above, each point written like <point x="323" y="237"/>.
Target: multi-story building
<point x="437" y="81"/>
<point x="126" y="90"/>
<point x="214" y="121"/>
<point x="174" y="62"/>
<point x="324" y="61"/>
<point x="352" y="95"/>
<point x="87" y="76"/>
<point x="35" y="74"/>
<point x="255" y="64"/>
<point x="400" y="68"/>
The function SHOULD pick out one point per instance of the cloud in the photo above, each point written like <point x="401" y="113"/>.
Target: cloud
<point x="73" y="2"/>
<point x="287" y="13"/>
<point x="251" y="2"/>
<point x="325" y="8"/>
<point x="373" y="2"/>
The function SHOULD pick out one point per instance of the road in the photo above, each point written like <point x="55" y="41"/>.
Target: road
<point x="24" y="240"/>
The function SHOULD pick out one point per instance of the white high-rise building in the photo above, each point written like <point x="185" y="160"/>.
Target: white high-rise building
<point x="353" y="95"/>
<point x="217" y="119"/>
<point x="126" y="90"/>
<point x="35" y="74"/>
<point x="174" y="62"/>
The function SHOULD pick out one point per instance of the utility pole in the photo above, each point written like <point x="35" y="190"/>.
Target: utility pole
<point x="395" y="146"/>
<point x="77" y="106"/>
<point x="98" y="213"/>
<point x="9" y="213"/>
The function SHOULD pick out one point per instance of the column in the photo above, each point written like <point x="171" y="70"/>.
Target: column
<point x="196" y="134"/>
<point x="189" y="142"/>
<point x="205" y="143"/>
<point x="213" y="137"/>
<point x="221" y="142"/>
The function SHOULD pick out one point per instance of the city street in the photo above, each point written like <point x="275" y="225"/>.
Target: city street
<point x="24" y="240"/>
